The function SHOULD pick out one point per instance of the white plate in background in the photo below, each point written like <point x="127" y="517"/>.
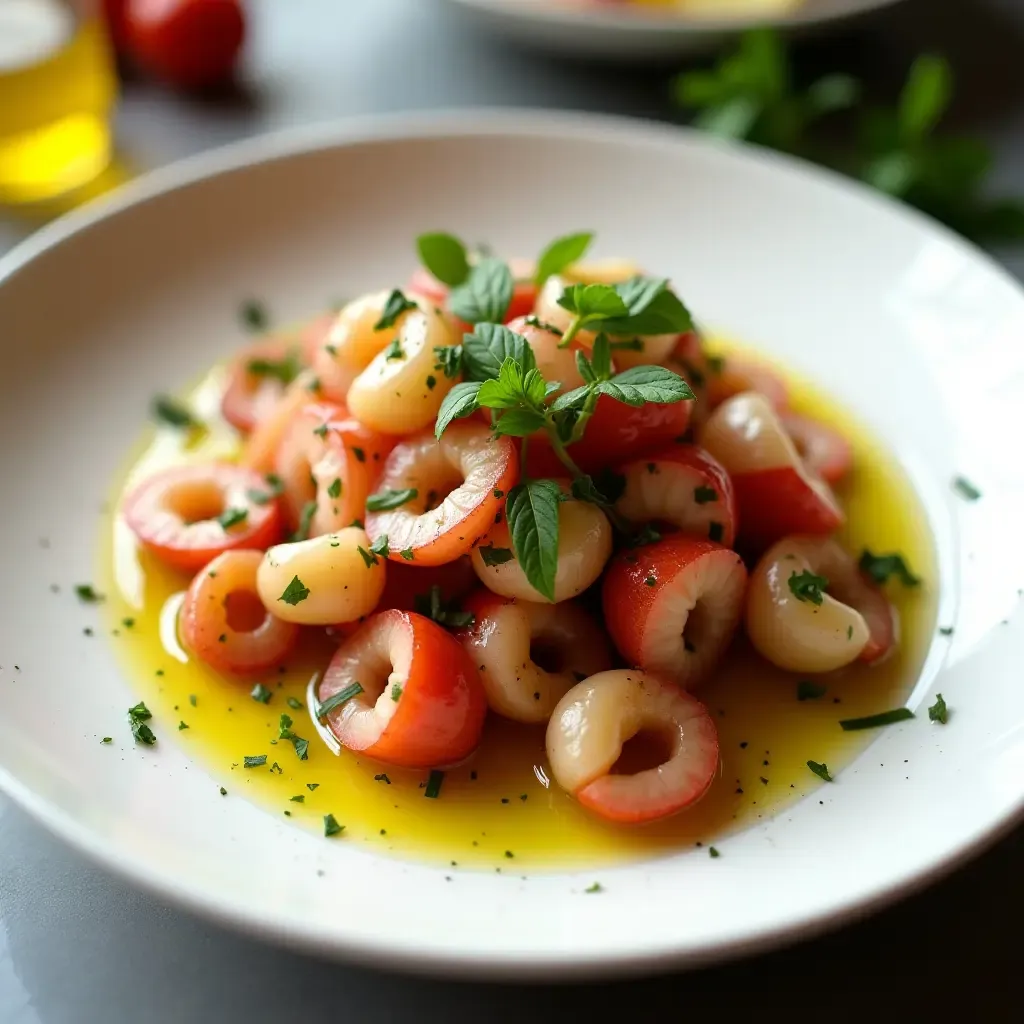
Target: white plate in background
<point x="903" y="322"/>
<point x="632" y="32"/>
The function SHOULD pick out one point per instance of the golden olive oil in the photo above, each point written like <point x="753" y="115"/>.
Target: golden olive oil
<point x="57" y="89"/>
<point x="499" y="811"/>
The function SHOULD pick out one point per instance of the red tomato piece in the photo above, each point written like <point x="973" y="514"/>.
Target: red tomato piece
<point x="421" y="705"/>
<point x="188" y="515"/>
<point x="672" y="607"/>
<point x="776" y="494"/>
<point x="458" y="487"/>
<point x="188" y="43"/>
<point x="825" y="452"/>
<point x="683" y="487"/>
<point x="223" y="622"/>
<point x="617" y="432"/>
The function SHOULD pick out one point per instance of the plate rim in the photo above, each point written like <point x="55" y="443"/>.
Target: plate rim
<point x="470" y="122"/>
<point x="644" y="20"/>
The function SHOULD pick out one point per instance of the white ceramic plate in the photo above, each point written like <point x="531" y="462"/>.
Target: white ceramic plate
<point x="907" y="324"/>
<point x="630" y="32"/>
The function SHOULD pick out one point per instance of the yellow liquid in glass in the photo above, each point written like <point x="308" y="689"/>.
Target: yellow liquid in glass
<point x="499" y="803"/>
<point x="57" y="88"/>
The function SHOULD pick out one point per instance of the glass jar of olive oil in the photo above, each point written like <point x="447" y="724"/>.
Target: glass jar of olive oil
<point x="57" y="88"/>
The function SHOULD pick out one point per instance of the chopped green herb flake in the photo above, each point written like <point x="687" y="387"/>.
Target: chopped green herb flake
<point x="285" y="370"/>
<point x="945" y="630"/>
<point x="407" y="554"/>
<point x="299" y="799"/>
<point x="337" y="699"/>
<point x="394" y="351"/>
<point x="369" y="560"/>
<point x="192" y="699"/>
<point x="806" y="690"/>
<point x="495" y="556"/>
<point x="381" y="546"/>
<point x="712" y="852"/>
<point x="87" y="594"/>
<point x="938" y="712"/>
<point x="434" y="783"/>
<point x="881" y="567"/>
<point x="966" y="489"/>
<point x="107" y="739"/>
<point x="334" y="491"/>
<point x="261" y="693"/>
<point x="806" y="586"/>
<point x="596" y="887"/>
<point x="182" y="725"/>
<point x="255" y="760"/>
<point x="431" y="382"/>
<point x="331" y="826"/>
<point x="232" y="517"/>
<point x="311" y="786"/>
<point x="295" y="593"/>
<point x="296" y="705"/>
<point x="396" y="691"/>
<point x="383" y="777"/>
<point x="253" y="315"/>
<point x="874" y="721"/>
<point x="395" y="305"/>
<point x="821" y="770"/>
<point x="384" y="501"/>
<point x="172" y="413"/>
<point x="703" y="494"/>
<point x="359" y="454"/>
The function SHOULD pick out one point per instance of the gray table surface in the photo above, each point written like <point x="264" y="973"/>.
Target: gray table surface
<point x="78" y="946"/>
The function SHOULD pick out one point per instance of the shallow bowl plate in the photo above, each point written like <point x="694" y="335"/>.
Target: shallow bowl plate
<point x="631" y="32"/>
<point x="902" y="321"/>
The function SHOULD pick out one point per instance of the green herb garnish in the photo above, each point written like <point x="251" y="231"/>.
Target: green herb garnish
<point x="821" y="770"/>
<point x="253" y="315"/>
<point x="434" y="783"/>
<point x="433" y="607"/>
<point x="173" y="413"/>
<point x="384" y="501"/>
<point x="966" y="489"/>
<point x="881" y="567"/>
<point x="874" y="721"/>
<point x="938" y="712"/>
<point x="337" y="699"/>
<point x="806" y="586"/>
<point x="87" y="594"/>
<point x="137" y="718"/>
<point x="295" y="593"/>
<point x="232" y="517"/>
<point x="260" y="693"/>
<point x="806" y="690"/>
<point x="255" y="760"/>
<point x="331" y="826"/>
<point x="394" y="307"/>
<point x="495" y="556"/>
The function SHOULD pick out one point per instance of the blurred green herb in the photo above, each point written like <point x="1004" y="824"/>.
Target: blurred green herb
<point x="752" y="94"/>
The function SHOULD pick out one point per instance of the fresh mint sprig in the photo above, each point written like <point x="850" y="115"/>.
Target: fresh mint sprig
<point x="522" y="403"/>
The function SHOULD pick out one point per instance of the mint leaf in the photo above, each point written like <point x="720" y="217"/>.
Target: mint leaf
<point x="653" y="309"/>
<point x="489" y="346"/>
<point x="601" y="357"/>
<point x="925" y="97"/>
<point x="394" y="307"/>
<point x="506" y="391"/>
<point x="561" y="253"/>
<point x="593" y="301"/>
<point x="519" y="422"/>
<point x="584" y="489"/>
<point x="532" y="514"/>
<point x="444" y="256"/>
<point x="485" y="295"/>
<point x="461" y="401"/>
<point x="585" y="369"/>
<point x="574" y="399"/>
<point x="641" y="384"/>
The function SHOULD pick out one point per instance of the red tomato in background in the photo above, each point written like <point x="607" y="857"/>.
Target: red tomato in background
<point x="188" y="43"/>
<point x="115" y="13"/>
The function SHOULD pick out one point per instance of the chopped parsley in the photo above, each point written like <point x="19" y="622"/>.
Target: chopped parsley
<point x="311" y="786"/>
<point x="874" y="721"/>
<point x="821" y="770"/>
<point x="381" y="546"/>
<point x="337" y="699"/>
<point x="261" y="693"/>
<point x="495" y="556"/>
<point x="703" y="494"/>
<point x="359" y="454"/>
<point x="299" y="799"/>
<point x="806" y="586"/>
<point x="396" y="691"/>
<point x="383" y="777"/>
<point x="431" y="382"/>
<point x="334" y="491"/>
<point x="255" y="760"/>
<point x="331" y="826"/>
<point x="595" y="887"/>
<point x="395" y="305"/>
<point x="938" y="712"/>
<point x="232" y="517"/>
<point x="285" y="370"/>
<point x="712" y="852"/>
<point x="295" y="593"/>
<point x="966" y="489"/>
<point x="881" y="567"/>
<point x="394" y="351"/>
<point x="253" y="315"/>
<point x="384" y="501"/>
<point x="369" y="560"/>
<point x="182" y="725"/>
<point x="407" y="554"/>
<point x="107" y="739"/>
<point x="137" y="717"/>
<point x="434" y="783"/>
<point x="173" y="413"/>
<point x="294" y="704"/>
<point x="449" y="360"/>
<point x="87" y="594"/>
<point x="806" y="690"/>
